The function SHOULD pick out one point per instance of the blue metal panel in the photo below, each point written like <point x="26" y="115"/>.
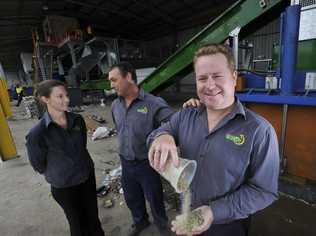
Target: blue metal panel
<point x="290" y="31"/>
<point x="299" y="81"/>
<point x="253" y="80"/>
<point x="278" y="99"/>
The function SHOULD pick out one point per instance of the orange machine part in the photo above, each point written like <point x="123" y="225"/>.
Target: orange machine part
<point x="300" y="138"/>
<point x="300" y="142"/>
<point x="272" y="113"/>
<point x="240" y="84"/>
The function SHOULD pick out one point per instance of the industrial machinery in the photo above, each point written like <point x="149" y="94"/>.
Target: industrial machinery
<point x="67" y="54"/>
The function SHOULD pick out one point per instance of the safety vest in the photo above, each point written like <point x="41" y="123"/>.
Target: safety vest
<point x="18" y="90"/>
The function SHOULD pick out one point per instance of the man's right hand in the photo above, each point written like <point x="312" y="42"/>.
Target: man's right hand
<point x="162" y="148"/>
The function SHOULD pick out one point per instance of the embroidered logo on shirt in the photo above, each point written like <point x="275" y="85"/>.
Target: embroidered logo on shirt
<point x="238" y="140"/>
<point x="143" y="110"/>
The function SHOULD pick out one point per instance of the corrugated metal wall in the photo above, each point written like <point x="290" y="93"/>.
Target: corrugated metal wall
<point x="305" y="3"/>
<point x="264" y="39"/>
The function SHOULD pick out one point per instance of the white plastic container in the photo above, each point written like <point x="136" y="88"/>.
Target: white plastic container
<point x="180" y="178"/>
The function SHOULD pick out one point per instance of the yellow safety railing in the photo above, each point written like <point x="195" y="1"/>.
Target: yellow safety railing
<point x="4" y="98"/>
<point x="7" y="145"/>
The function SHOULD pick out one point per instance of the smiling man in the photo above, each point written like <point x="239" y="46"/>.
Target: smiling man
<point x="236" y="150"/>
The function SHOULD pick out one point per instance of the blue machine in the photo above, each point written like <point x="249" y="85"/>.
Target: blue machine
<point x="292" y="89"/>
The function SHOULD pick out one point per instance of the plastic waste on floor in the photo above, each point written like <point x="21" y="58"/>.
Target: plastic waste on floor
<point x="111" y="182"/>
<point x="100" y="132"/>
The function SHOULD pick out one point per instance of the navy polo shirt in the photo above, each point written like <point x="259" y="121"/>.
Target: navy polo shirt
<point x="136" y="122"/>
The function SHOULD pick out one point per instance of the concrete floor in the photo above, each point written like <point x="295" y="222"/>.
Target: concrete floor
<point x="27" y="208"/>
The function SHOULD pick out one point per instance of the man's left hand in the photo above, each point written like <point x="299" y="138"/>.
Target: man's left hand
<point x="207" y="216"/>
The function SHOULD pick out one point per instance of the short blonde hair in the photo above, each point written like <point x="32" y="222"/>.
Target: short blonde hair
<point x="211" y="49"/>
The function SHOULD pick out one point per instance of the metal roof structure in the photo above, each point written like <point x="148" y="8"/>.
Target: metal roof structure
<point x="129" y="19"/>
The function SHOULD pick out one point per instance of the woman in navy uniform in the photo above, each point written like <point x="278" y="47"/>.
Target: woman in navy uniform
<point x="57" y="148"/>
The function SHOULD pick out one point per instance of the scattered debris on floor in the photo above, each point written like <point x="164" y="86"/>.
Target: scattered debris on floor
<point x="99" y="119"/>
<point x="100" y="132"/>
<point x="111" y="183"/>
<point x="76" y="109"/>
<point x="91" y="124"/>
<point x="102" y="191"/>
<point x="103" y="132"/>
<point x="111" y="163"/>
<point x="121" y="191"/>
<point x="108" y="203"/>
<point x="95" y="128"/>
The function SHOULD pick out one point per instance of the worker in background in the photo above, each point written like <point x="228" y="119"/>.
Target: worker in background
<point x="236" y="150"/>
<point x="57" y="148"/>
<point x="135" y="114"/>
<point x="19" y="92"/>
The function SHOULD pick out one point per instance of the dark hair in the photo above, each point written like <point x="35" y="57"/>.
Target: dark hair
<point x="211" y="49"/>
<point x="45" y="87"/>
<point x="125" y="67"/>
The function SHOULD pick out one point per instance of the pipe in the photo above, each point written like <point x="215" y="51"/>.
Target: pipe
<point x="235" y="48"/>
<point x="282" y="140"/>
<point x="290" y="34"/>
<point x="235" y="34"/>
<point x="281" y="48"/>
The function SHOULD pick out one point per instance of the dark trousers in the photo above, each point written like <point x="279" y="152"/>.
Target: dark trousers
<point x="20" y="97"/>
<point x="235" y="228"/>
<point x="80" y="206"/>
<point x="140" y="181"/>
